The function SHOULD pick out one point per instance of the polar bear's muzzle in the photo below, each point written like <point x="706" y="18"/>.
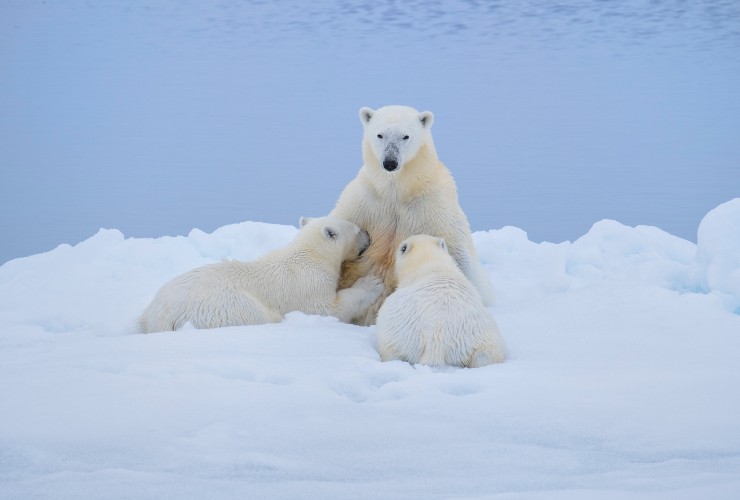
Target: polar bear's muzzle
<point x="390" y="157"/>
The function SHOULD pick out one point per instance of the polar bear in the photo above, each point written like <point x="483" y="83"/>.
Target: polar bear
<point x="436" y="316"/>
<point x="401" y="190"/>
<point x="301" y="276"/>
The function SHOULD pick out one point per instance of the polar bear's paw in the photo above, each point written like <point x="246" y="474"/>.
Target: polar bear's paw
<point x="372" y="285"/>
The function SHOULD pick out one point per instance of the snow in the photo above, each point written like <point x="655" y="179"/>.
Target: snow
<point x="621" y="381"/>
<point x="718" y="260"/>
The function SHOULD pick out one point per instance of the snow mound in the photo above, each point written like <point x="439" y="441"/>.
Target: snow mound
<point x="718" y="251"/>
<point x="612" y="254"/>
<point x="100" y="284"/>
<point x="621" y="381"/>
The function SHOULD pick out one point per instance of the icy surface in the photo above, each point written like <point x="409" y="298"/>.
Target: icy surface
<point x="621" y="382"/>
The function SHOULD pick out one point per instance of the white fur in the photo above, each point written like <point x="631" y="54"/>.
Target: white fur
<point x="302" y="276"/>
<point x="417" y="197"/>
<point x="436" y="316"/>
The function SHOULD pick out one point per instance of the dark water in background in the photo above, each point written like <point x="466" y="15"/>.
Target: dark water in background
<point x="158" y="117"/>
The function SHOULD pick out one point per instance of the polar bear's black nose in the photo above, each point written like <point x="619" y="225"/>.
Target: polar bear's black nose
<point x="390" y="165"/>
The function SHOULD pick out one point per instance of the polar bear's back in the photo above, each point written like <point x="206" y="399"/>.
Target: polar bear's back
<point x="210" y="296"/>
<point x="438" y="321"/>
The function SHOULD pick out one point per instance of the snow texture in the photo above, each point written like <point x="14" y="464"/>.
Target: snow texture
<point x="621" y="380"/>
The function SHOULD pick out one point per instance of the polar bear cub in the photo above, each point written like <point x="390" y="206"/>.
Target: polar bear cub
<point x="436" y="315"/>
<point x="301" y="276"/>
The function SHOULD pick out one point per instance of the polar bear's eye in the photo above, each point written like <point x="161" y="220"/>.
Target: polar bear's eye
<point x="403" y="248"/>
<point x="380" y="136"/>
<point x="405" y="137"/>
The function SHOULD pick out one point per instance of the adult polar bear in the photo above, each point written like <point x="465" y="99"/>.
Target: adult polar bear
<point x="402" y="190"/>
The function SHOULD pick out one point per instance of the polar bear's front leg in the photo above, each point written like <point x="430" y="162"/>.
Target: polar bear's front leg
<point x="354" y="301"/>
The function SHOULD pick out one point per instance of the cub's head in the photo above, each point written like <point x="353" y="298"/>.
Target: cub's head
<point x="420" y="251"/>
<point x="394" y="134"/>
<point x="335" y="238"/>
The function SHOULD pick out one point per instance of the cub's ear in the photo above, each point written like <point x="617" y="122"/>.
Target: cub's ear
<point x="365" y="115"/>
<point x="331" y="233"/>
<point x="427" y="119"/>
<point x="304" y="220"/>
<point x="443" y="244"/>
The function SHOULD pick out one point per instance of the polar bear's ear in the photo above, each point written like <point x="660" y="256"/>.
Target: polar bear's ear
<point x="304" y="220"/>
<point x="366" y="114"/>
<point x="426" y="118"/>
<point x="330" y="232"/>
<point x="443" y="244"/>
